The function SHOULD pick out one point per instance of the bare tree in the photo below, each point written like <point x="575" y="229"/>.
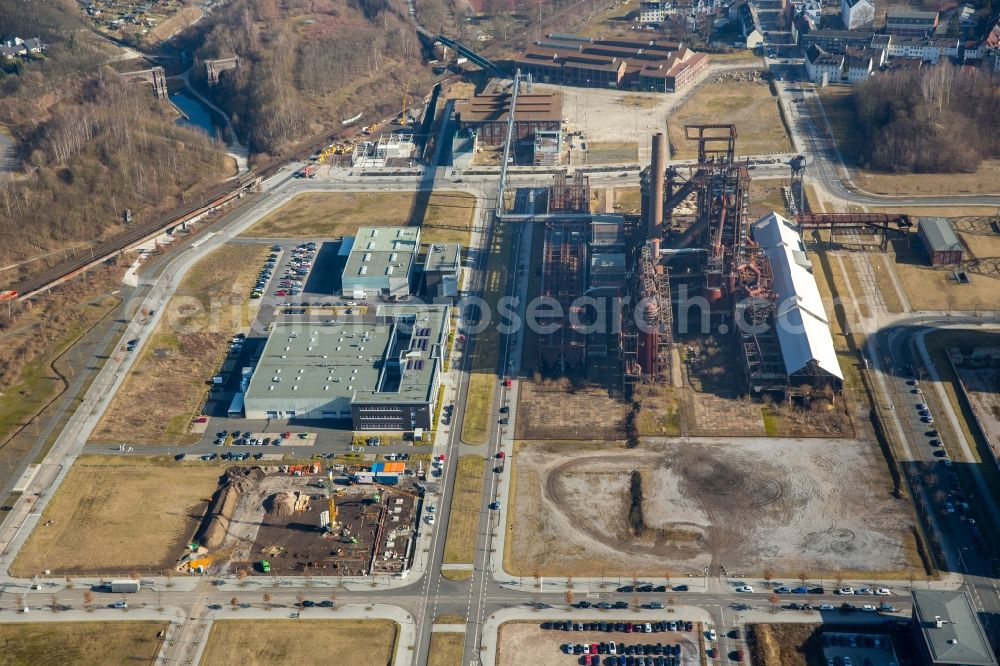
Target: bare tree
<point x="802" y="577"/>
<point x="242" y="574"/>
<point x="775" y="600"/>
<point x="234" y="601"/>
<point x="267" y="601"/>
<point x="570" y="598"/>
<point x="768" y="577"/>
<point x="88" y="600"/>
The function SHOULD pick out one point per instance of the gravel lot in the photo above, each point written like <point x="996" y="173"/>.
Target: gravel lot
<point x="790" y="505"/>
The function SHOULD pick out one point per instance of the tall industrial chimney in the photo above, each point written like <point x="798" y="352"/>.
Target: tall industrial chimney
<point x="657" y="167"/>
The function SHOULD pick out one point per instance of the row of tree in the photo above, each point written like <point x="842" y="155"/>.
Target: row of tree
<point x="933" y="119"/>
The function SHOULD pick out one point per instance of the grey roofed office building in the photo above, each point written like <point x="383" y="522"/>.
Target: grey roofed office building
<point x="381" y="370"/>
<point x="442" y="268"/>
<point x="380" y="262"/>
<point x="951" y="632"/>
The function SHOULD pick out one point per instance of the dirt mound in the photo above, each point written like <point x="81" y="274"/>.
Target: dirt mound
<point x="280" y="505"/>
<point x="215" y="525"/>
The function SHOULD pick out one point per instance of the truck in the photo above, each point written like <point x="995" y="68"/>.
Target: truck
<point x="308" y="171"/>
<point x="124" y="586"/>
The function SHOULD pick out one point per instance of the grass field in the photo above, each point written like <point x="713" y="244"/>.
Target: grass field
<point x="482" y="382"/>
<point x="463" y="523"/>
<point x="456" y="574"/>
<point x="750" y="106"/>
<point x="187" y="348"/>
<point x="986" y="180"/>
<point x="369" y="642"/>
<point x="446" y="649"/>
<point x="443" y="217"/>
<point x="113" y="514"/>
<point x="80" y="643"/>
<point x="608" y="152"/>
<point x="932" y="289"/>
<point x="885" y="285"/>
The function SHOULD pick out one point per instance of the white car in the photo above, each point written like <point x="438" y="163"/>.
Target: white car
<point x="430" y="519"/>
<point x="826" y="606"/>
<point x="868" y="608"/>
<point x="612" y="648"/>
<point x="883" y="592"/>
<point x="846" y="590"/>
<point x="949" y="507"/>
<point x="744" y="588"/>
<point x="711" y="635"/>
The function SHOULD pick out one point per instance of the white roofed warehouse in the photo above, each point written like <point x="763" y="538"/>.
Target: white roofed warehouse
<point x="782" y="321"/>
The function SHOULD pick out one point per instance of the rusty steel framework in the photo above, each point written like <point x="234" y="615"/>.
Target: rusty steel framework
<point x="564" y="275"/>
<point x="570" y="195"/>
<point x="648" y="335"/>
<point x="882" y="225"/>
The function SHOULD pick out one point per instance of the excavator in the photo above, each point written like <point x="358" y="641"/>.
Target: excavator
<point x="201" y="564"/>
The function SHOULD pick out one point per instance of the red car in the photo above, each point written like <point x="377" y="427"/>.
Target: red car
<point x="281" y="292"/>
<point x="628" y="627"/>
<point x="508" y="383"/>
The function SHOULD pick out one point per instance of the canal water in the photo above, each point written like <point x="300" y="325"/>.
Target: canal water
<point x="198" y="115"/>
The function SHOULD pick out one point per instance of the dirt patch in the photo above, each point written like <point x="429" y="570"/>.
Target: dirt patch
<point x="249" y="643"/>
<point x="118" y="515"/>
<point x="80" y="643"/>
<point x="527" y="642"/>
<point x="556" y="409"/>
<point x="783" y="644"/>
<point x="749" y="504"/>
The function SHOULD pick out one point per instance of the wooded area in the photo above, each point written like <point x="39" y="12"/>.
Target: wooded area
<point x="935" y="119"/>
<point x="104" y="147"/>
<point x="306" y="65"/>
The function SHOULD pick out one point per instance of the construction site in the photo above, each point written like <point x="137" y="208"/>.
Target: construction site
<point x="304" y="520"/>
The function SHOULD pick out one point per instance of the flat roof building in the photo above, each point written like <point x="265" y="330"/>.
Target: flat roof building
<point x="380" y="261"/>
<point x="442" y="268"/>
<point x="940" y="241"/>
<point x="950" y="631"/>
<point x="910" y="22"/>
<point x="382" y="371"/>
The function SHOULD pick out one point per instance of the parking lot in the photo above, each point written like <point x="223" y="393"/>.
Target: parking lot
<point x="615" y="643"/>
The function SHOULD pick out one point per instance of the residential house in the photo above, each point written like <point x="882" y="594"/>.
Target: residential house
<point x="910" y="23"/>
<point x="753" y="33"/>
<point x="653" y="12"/>
<point x="857" y="14"/>
<point x="966" y="17"/>
<point x="858" y="68"/>
<point x="802" y="25"/>
<point x="823" y="67"/>
<point x="928" y="50"/>
<point x="836" y="41"/>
